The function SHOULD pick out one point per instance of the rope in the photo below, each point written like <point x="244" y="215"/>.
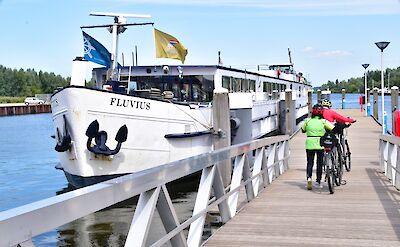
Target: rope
<point x="202" y="124"/>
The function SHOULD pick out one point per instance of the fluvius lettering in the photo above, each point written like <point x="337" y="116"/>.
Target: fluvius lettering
<point x="130" y="103"/>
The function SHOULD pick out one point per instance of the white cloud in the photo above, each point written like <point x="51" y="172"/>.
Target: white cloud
<point x="327" y="54"/>
<point x="334" y="53"/>
<point x="308" y="49"/>
<point x="295" y="7"/>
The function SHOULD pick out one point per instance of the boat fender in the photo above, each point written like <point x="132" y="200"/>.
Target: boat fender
<point x="235" y="123"/>
<point x="64" y="141"/>
<point x="100" y="138"/>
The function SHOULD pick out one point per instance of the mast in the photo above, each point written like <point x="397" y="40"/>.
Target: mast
<point x="290" y="56"/>
<point x="118" y="27"/>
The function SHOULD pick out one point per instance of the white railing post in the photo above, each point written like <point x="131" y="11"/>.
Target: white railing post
<point x="219" y="191"/>
<point x="258" y="162"/>
<point x="169" y="218"/>
<point x="381" y="148"/>
<point x="265" y="169"/>
<point x="286" y="154"/>
<point x="389" y="172"/>
<point x="202" y="198"/>
<point x="276" y="160"/>
<point x="236" y="180"/>
<point x="281" y="156"/>
<point x="142" y="218"/>
<point x="385" y="156"/>
<point x="247" y="175"/>
<point x="271" y="161"/>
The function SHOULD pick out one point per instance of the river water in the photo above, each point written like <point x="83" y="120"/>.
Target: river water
<point x="352" y="101"/>
<point x="27" y="174"/>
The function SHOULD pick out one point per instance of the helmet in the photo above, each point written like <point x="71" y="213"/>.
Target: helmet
<point x="326" y="103"/>
<point x="317" y="110"/>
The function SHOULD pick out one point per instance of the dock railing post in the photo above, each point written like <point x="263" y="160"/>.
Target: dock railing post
<point x="222" y="129"/>
<point x="343" y="98"/>
<point x="375" y="106"/>
<point x="367" y="103"/>
<point x="289" y="128"/>
<point x="309" y="102"/>
<point x="395" y="103"/>
<point x="318" y="96"/>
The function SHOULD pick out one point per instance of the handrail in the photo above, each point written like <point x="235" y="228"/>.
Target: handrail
<point x="269" y="160"/>
<point x="389" y="152"/>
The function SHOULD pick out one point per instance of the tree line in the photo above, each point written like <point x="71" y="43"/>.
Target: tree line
<point x="356" y="85"/>
<point x="22" y="83"/>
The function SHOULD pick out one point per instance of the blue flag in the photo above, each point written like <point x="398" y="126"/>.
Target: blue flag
<point x="95" y="52"/>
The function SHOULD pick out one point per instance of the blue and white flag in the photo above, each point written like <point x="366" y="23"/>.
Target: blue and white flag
<point x="95" y="52"/>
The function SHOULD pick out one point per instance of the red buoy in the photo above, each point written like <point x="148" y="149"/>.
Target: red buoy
<point x="396" y="127"/>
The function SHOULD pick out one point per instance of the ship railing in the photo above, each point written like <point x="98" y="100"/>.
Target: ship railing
<point x="255" y="165"/>
<point x="389" y="150"/>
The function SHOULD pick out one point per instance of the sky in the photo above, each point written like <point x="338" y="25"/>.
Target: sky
<point x="328" y="39"/>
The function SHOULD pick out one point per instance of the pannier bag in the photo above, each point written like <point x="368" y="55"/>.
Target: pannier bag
<point x="328" y="140"/>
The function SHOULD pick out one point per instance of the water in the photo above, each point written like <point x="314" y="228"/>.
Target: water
<point x="27" y="174"/>
<point x="352" y="102"/>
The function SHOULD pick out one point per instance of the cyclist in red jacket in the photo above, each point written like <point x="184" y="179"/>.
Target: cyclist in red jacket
<point x="333" y="116"/>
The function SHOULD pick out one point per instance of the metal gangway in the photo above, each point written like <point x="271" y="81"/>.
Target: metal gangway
<point x="256" y="164"/>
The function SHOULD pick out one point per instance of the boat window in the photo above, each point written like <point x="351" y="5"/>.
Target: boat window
<point x="265" y="86"/>
<point x="197" y="88"/>
<point x="245" y="85"/>
<point x="236" y="84"/>
<point x="226" y="82"/>
<point x="252" y="85"/>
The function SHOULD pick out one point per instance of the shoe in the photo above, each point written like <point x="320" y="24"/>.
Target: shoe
<point x="309" y="184"/>
<point x="318" y="184"/>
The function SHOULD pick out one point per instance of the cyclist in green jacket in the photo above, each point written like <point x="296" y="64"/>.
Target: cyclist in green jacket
<point x="315" y="127"/>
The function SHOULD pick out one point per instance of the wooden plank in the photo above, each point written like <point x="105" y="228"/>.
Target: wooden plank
<point x="364" y="212"/>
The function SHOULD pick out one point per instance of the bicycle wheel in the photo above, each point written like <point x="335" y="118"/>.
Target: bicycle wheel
<point x="338" y="167"/>
<point x="347" y="156"/>
<point x="330" y="175"/>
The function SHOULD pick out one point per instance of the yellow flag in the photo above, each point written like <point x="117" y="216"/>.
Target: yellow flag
<point x="168" y="46"/>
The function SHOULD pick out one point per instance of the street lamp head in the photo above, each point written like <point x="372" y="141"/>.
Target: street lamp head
<point x="382" y="45"/>
<point x="365" y="65"/>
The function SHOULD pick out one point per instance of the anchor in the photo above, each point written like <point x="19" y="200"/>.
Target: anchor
<point x="100" y="138"/>
<point x="63" y="141"/>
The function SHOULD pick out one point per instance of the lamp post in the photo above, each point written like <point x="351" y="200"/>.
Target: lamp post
<point x="365" y="65"/>
<point x="382" y="45"/>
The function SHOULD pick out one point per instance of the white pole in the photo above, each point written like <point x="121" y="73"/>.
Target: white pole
<point x="382" y="96"/>
<point x="114" y="52"/>
<point x="365" y="92"/>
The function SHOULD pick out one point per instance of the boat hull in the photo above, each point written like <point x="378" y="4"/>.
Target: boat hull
<point x="158" y="131"/>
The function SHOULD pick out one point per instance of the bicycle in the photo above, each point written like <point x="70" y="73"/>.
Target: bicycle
<point x="331" y="163"/>
<point x="343" y="144"/>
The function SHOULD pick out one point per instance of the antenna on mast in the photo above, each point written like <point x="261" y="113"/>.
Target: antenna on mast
<point x="290" y="56"/>
<point x="118" y="27"/>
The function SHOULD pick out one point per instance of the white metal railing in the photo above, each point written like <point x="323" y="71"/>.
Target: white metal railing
<point x="256" y="164"/>
<point x="389" y="152"/>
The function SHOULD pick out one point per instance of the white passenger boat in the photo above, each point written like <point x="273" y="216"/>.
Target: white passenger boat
<point x="157" y="114"/>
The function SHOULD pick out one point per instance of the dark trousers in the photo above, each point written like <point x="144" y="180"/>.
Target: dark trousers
<point x="310" y="162"/>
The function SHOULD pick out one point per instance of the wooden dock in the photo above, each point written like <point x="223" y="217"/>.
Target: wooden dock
<point x="364" y="212"/>
<point x="21" y="109"/>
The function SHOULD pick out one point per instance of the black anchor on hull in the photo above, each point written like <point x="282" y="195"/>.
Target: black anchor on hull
<point x="63" y="141"/>
<point x="100" y="138"/>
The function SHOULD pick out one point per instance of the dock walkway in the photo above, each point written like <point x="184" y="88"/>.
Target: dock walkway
<point x="364" y="212"/>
